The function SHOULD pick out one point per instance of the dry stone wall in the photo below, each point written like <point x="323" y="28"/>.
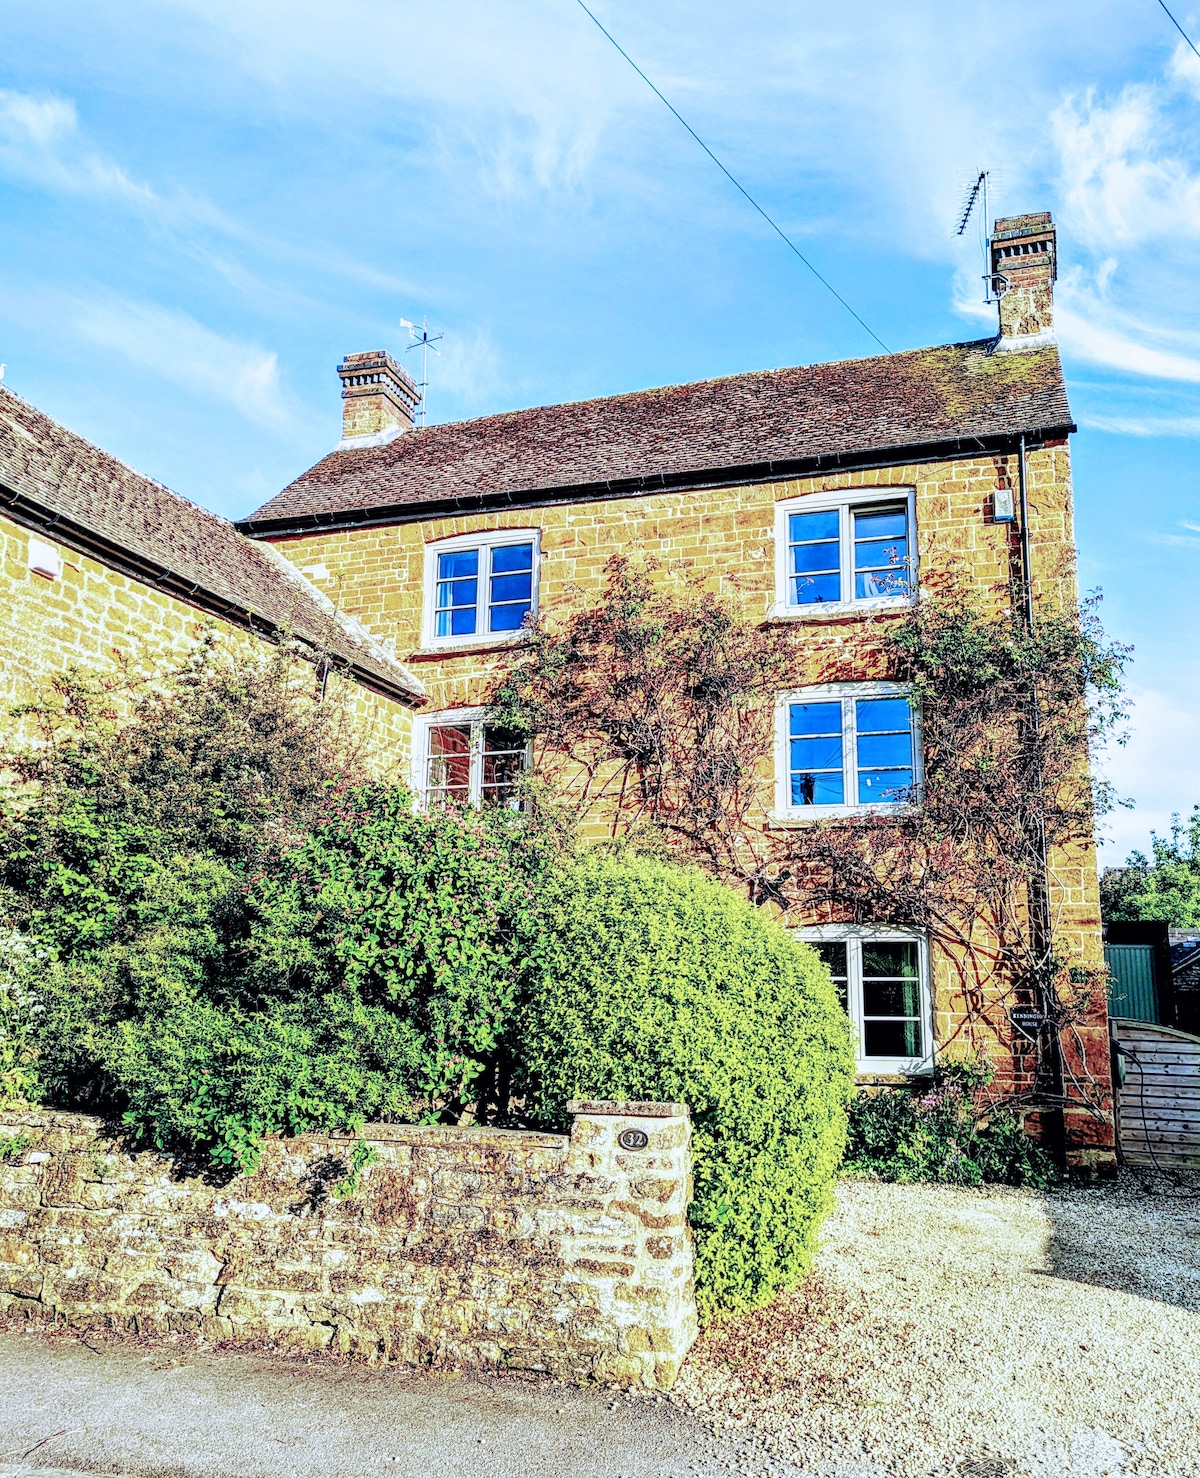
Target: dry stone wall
<point x="475" y="1247"/>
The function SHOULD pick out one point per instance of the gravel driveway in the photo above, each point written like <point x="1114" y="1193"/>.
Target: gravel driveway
<point x="987" y="1333"/>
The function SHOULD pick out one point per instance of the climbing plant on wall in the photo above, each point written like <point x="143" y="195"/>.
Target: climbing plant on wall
<point x="655" y="712"/>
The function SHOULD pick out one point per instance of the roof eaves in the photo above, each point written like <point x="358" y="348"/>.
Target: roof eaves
<point x="358" y="634"/>
<point x="391" y="679"/>
<point x="775" y="470"/>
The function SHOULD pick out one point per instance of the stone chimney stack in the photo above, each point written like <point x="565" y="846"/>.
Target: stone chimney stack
<point x="379" y="400"/>
<point x="1024" y="267"/>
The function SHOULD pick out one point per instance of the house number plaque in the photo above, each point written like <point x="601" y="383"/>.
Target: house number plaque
<point x="633" y="1139"/>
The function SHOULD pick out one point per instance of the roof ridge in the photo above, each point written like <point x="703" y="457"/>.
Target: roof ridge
<point x="423" y="432"/>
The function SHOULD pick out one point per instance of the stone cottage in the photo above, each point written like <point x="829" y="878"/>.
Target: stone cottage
<point x="820" y="497"/>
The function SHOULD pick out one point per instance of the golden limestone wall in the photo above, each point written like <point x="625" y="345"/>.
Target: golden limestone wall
<point x="726" y="536"/>
<point x="480" y="1247"/>
<point x="93" y="618"/>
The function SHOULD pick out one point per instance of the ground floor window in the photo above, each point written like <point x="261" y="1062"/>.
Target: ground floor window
<point x="463" y="759"/>
<point x="882" y="977"/>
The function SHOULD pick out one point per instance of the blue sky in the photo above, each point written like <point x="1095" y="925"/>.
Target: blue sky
<point x="205" y="203"/>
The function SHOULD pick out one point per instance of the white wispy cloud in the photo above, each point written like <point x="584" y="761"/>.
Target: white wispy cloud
<point x="1126" y="177"/>
<point x="470" y="367"/>
<point x="514" y="97"/>
<point x="1095" y="340"/>
<point x="44" y="145"/>
<point x="174" y="346"/>
<point x="1184" y="69"/>
<point x="1143" y="426"/>
<point x="1128" y="166"/>
<point x="41" y="144"/>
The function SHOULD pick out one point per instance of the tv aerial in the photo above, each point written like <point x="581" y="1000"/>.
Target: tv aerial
<point x="421" y="339"/>
<point x="993" y="284"/>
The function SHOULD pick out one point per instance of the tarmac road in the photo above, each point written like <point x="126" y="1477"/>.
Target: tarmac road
<point x="170" y="1411"/>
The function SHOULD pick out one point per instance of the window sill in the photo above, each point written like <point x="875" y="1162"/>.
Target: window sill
<point x="785" y="819"/>
<point x="463" y="646"/>
<point x="842" y="609"/>
<point x="891" y="1072"/>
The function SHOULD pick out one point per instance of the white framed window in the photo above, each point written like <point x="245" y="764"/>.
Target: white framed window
<point x="480" y="587"/>
<point x="882" y="977"/>
<point x="844" y="551"/>
<point x="461" y="760"/>
<point x="845" y="747"/>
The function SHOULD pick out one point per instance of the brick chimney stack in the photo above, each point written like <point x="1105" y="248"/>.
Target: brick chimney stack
<point x="379" y="399"/>
<point x="1024" y="267"/>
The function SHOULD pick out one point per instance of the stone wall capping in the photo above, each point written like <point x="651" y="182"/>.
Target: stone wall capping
<point x="628" y="1108"/>
<point x="449" y="1134"/>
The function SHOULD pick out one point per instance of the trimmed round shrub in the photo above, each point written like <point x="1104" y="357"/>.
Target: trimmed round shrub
<point x="651" y="981"/>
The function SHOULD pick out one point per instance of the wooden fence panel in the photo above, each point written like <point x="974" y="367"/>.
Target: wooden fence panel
<point x="1158" y="1106"/>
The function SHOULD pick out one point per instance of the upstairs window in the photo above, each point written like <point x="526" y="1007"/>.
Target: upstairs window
<point x="846" y="747"/>
<point x="881" y="977"/>
<point x="465" y="761"/>
<point x="843" y="553"/>
<point x="480" y="586"/>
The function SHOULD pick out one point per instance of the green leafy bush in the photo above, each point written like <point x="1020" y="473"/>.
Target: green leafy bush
<point x="230" y="759"/>
<point x="650" y="981"/>
<point x="235" y="937"/>
<point x="940" y="1133"/>
<point x="1165" y="885"/>
<point x="369" y="974"/>
<point x="21" y="963"/>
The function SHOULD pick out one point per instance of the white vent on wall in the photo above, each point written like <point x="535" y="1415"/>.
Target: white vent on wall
<point x="44" y="559"/>
<point x="315" y="572"/>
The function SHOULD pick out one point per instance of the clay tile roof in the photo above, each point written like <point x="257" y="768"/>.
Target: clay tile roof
<point x="55" y="481"/>
<point x="747" y="427"/>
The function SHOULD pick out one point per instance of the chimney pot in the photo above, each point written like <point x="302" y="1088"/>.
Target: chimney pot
<point x="379" y="400"/>
<point x="1024" y="267"/>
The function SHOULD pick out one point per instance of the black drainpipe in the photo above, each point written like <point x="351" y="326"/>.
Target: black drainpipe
<point x="1050" y="1062"/>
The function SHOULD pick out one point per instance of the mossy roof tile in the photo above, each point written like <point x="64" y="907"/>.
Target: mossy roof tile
<point x="710" y="429"/>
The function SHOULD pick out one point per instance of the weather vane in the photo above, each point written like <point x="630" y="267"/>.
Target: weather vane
<point x="421" y="339"/>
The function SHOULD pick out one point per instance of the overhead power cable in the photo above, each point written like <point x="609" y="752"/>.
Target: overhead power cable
<point x="1179" y="28"/>
<point x="736" y="183"/>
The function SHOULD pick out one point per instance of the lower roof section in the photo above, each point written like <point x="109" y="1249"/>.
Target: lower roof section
<point x="59" y="484"/>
